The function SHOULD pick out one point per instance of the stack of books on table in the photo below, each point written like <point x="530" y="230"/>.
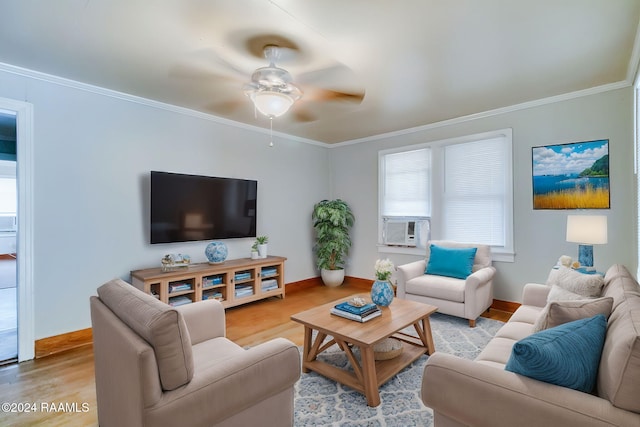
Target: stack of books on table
<point x="359" y="314"/>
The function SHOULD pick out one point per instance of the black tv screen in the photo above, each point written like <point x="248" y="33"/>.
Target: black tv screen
<point x="191" y="207"/>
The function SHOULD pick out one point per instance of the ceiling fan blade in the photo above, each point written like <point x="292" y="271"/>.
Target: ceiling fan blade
<point x="355" y="97"/>
<point x="303" y="116"/>
<point x="320" y="85"/>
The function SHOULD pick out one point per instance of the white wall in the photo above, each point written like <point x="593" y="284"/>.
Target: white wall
<point x="539" y="234"/>
<point x="92" y="157"/>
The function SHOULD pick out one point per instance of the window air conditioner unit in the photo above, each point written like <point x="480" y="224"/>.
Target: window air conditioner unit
<point x="403" y="232"/>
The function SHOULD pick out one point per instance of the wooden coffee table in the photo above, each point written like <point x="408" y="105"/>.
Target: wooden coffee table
<point x="370" y="374"/>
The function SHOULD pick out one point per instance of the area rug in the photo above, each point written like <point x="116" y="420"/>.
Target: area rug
<point x="323" y="402"/>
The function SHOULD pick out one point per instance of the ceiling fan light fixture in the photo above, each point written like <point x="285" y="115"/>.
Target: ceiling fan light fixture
<point x="272" y="103"/>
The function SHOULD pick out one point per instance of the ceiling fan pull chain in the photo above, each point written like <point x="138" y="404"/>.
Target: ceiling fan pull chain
<point x="271" y="131"/>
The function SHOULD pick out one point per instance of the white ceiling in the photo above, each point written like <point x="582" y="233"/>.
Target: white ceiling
<point x="419" y="61"/>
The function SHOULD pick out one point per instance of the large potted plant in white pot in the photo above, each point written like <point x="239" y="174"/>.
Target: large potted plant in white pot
<point x="332" y="220"/>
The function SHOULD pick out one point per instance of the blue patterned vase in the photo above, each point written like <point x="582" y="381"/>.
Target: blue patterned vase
<point x="382" y="293"/>
<point x="216" y="252"/>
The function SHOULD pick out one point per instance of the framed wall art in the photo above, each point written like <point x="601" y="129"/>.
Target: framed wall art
<point x="571" y="176"/>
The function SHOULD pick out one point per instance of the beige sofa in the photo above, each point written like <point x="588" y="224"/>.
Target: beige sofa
<point x="156" y="365"/>
<point x="482" y="393"/>
<point x="457" y="297"/>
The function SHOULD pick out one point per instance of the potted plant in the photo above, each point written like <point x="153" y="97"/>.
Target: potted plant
<point x="332" y="220"/>
<point x="262" y="245"/>
<point x="254" y="251"/>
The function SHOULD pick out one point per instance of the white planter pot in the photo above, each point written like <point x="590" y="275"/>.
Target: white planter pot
<point x="332" y="278"/>
<point x="262" y="250"/>
<point x="255" y="255"/>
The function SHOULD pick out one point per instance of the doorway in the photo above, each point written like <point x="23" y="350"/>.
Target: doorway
<point x="24" y="250"/>
<point x="8" y="240"/>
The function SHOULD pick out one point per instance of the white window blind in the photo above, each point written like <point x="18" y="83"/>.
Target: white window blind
<point x="406" y="183"/>
<point x="475" y="191"/>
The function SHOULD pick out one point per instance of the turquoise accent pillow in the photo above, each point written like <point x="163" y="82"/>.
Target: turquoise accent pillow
<point x="567" y="355"/>
<point x="450" y="262"/>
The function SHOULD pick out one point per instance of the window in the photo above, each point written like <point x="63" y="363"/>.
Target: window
<point x="473" y="195"/>
<point x="405" y="183"/>
<point x="464" y="185"/>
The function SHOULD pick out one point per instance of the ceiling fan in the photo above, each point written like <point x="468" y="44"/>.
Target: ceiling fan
<point x="272" y="88"/>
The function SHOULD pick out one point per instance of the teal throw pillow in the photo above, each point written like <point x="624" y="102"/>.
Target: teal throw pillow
<point x="567" y="355"/>
<point x="450" y="262"/>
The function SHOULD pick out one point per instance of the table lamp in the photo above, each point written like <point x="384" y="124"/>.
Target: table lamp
<point x="587" y="230"/>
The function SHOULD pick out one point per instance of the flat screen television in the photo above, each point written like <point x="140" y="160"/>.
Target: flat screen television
<point x="192" y="207"/>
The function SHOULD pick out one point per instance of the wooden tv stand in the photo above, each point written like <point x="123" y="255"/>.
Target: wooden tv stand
<point x="233" y="282"/>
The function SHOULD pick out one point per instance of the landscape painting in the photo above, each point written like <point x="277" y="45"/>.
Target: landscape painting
<point x="571" y="176"/>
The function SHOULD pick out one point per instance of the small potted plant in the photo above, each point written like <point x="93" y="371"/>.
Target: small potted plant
<point x="261" y="242"/>
<point x="332" y="220"/>
<point x="254" y="251"/>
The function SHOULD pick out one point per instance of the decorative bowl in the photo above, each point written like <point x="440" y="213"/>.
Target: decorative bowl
<point x="216" y="252"/>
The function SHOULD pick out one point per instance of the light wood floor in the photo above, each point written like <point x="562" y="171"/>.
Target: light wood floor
<point x="68" y="378"/>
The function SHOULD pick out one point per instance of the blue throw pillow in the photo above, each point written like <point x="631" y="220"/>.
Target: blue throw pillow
<point x="567" y="355"/>
<point x="451" y="262"/>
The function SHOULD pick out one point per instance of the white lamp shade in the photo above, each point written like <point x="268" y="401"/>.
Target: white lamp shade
<point x="272" y="104"/>
<point x="587" y="229"/>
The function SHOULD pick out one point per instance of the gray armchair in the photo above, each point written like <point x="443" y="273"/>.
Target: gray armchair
<point x="156" y="365"/>
<point x="467" y="298"/>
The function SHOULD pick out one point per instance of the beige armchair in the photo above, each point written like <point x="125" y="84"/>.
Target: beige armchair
<point x="156" y="365"/>
<point x="467" y="298"/>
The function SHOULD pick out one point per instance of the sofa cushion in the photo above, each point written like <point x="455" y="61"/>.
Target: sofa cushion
<point x="588" y="285"/>
<point x="558" y="312"/>
<point x="498" y="350"/>
<point x="161" y="325"/>
<point x="440" y="287"/>
<point x="567" y="355"/>
<point x="450" y="262"/>
<point x="215" y="351"/>
<point x="619" y="373"/>
<point x="526" y="314"/>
